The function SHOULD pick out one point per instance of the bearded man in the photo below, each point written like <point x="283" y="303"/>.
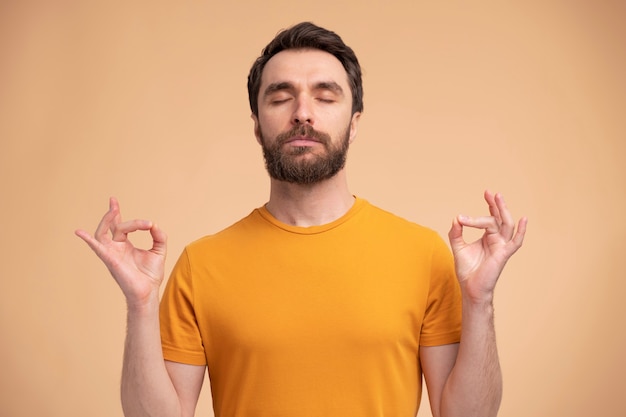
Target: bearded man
<point x="317" y="303"/>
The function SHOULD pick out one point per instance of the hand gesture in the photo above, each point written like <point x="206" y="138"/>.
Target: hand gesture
<point x="479" y="264"/>
<point x="138" y="272"/>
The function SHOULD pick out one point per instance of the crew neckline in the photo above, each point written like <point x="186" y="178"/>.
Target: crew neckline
<point x="359" y="203"/>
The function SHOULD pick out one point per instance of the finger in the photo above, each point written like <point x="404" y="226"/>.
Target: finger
<point x="488" y="223"/>
<point x="159" y="240"/>
<point x="114" y="206"/>
<point x="518" y="239"/>
<point x="84" y="235"/>
<point x="490" y="198"/>
<point x="507" y="226"/>
<point x="121" y="230"/>
<point x="90" y="240"/>
<point x="109" y="220"/>
<point x="455" y="235"/>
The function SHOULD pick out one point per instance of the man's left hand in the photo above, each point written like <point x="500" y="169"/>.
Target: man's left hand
<point x="479" y="264"/>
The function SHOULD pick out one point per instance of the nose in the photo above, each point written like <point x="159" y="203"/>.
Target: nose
<point x="303" y="112"/>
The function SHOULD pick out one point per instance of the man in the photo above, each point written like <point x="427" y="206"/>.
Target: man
<point x="317" y="303"/>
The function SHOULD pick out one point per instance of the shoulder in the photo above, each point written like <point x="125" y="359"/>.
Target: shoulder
<point x="394" y="223"/>
<point x="247" y="226"/>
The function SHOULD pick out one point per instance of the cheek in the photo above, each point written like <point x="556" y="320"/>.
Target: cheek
<point x="265" y="131"/>
<point x="270" y="125"/>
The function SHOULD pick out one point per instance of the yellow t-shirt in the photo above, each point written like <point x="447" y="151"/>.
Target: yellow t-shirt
<point x="317" y="321"/>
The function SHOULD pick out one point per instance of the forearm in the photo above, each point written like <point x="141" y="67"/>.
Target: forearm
<point x="147" y="389"/>
<point x="474" y="387"/>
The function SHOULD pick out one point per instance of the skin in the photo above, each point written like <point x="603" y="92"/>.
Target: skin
<point x="298" y="87"/>
<point x="307" y="100"/>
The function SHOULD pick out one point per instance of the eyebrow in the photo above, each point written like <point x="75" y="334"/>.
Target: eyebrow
<point x="284" y="85"/>
<point x="330" y="86"/>
<point x="274" y="87"/>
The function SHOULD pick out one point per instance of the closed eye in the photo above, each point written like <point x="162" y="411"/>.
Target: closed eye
<point x="280" y="100"/>
<point x="278" y="93"/>
<point x="279" y="97"/>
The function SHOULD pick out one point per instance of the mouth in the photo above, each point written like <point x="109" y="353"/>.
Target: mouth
<point x="302" y="141"/>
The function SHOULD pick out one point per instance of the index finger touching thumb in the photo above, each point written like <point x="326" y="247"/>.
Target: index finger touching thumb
<point x="159" y="239"/>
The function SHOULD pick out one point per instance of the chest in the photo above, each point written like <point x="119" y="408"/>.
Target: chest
<point x="280" y="302"/>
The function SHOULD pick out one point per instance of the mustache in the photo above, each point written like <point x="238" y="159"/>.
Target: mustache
<point x="303" y="130"/>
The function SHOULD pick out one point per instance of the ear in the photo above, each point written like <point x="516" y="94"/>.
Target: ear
<point x="354" y="122"/>
<point x="257" y="128"/>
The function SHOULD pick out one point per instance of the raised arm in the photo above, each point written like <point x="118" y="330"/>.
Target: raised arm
<point x="466" y="380"/>
<point x="149" y="387"/>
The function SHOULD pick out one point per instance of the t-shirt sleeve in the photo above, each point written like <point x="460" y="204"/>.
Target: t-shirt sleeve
<point x="442" y="318"/>
<point x="180" y="336"/>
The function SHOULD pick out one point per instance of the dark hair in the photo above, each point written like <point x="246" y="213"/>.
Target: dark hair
<point x="308" y="35"/>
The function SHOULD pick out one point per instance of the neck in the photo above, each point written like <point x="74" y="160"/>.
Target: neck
<point x="312" y="204"/>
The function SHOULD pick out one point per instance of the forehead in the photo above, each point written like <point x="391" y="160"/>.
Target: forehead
<point x="304" y="66"/>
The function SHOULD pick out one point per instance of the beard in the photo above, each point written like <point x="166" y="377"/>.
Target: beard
<point x="289" y="165"/>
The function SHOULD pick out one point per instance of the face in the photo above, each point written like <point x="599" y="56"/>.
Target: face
<point x="304" y="123"/>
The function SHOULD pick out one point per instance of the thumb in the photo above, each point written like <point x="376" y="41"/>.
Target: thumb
<point x="455" y="235"/>
<point x="159" y="240"/>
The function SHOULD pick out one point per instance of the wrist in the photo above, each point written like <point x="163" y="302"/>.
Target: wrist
<point x="143" y="305"/>
<point x="478" y="316"/>
<point x="481" y="302"/>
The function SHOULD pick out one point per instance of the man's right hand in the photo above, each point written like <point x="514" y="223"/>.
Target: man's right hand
<point x="138" y="272"/>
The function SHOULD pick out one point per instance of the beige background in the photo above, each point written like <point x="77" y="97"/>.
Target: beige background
<point x="147" y="102"/>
